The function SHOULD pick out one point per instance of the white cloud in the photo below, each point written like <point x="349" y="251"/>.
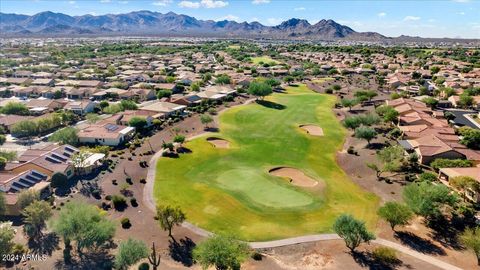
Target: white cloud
<point x="105" y="1"/>
<point x="411" y="18"/>
<point x="274" y="21"/>
<point x="162" y="3"/>
<point x="123" y="2"/>
<point x="299" y="9"/>
<point x="259" y="2"/>
<point x="229" y="17"/>
<point x="382" y="14"/>
<point x="71" y="2"/>
<point x="213" y="4"/>
<point x="432" y="20"/>
<point x="461" y="1"/>
<point x="189" y="4"/>
<point x="203" y="3"/>
<point x="461" y="13"/>
<point x="350" y="23"/>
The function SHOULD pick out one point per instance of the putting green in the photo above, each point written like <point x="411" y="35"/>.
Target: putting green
<point x="264" y="59"/>
<point x="230" y="190"/>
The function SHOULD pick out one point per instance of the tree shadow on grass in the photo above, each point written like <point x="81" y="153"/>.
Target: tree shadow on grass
<point x="181" y="251"/>
<point x="366" y="259"/>
<point x="271" y="105"/>
<point x="45" y="245"/>
<point x="418" y="243"/>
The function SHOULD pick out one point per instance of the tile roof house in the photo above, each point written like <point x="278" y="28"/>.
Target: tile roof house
<point x="105" y="134"/>
<point x="447" y="174"/>
<point x="430" y="147"/>
<point x="81" y="107"/>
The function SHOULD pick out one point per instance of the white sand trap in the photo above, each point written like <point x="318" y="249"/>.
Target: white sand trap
<point x="219" y="143"/>
<point x="312" y="130"/>
<point x="297" y="177"/>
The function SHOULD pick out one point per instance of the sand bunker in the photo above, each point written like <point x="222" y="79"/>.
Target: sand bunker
<point x="297" y="177"/>
<point x="312" y="130"/>
<point x="219" y="143"/>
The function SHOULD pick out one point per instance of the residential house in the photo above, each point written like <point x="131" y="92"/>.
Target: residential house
<point x="105" y="134"/>
<point x="80" y="107"/>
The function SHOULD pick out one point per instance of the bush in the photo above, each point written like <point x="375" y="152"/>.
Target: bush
<point x="450" y="163"/>
<point x="119" y="202"/>
<point x="385" y="255"/>
<point x="351" y="150"/>
<point x="427" y="176"/>
<point x="108" y="197"/>
<point x="59" y="180"/>
<point x="144" y="266"/>
<point x="256" y="256"/>
<point x="329" y="91"/>
<point x="133" y="202"/>
<point x="125" y="223"/>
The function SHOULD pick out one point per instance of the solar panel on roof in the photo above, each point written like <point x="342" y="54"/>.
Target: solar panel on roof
<point x="111" y="127"/>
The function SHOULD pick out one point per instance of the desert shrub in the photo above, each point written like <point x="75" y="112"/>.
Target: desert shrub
<point x="144" y="266"/>
<point x="133" y="202"/>
<point x="108" y="197"/>
<point x="427" y="176"/>
<point x="119" y="202"/>
<point x="450" y="163"/>
<point x="125" y="223"/>
<point x="256" y="256"/>
<point x="329" y="91"/>
<point x="385" y="255"/>
<point x="351" y="150"/>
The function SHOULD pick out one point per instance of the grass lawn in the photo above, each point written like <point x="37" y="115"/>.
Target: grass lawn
<point x="322" y="80"/>
<point x="231" y="191"/>
<point x="264" y="59"/>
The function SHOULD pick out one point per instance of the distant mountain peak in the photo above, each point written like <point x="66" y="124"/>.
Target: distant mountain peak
<point x="154" y="23"/>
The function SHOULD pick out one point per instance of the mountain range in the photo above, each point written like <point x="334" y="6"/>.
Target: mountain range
<point x="154" y="23"/>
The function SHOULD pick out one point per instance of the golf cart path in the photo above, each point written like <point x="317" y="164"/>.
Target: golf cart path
<point x="149" y="200"/>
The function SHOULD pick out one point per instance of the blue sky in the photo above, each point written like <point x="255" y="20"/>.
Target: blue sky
<point x="448" y="18"/>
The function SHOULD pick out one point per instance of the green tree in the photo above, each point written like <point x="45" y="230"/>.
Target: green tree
<point x="349" y="103"/>
<point x="7" y="233"/>
<point x="395" y="214"/>
<point x="67" y="135"/>
<point x="15" y="108"/>
<point x="222" y="252"/>
<point x="2" y="139"/>
<point x="195" y="87"/>
<point x="59" y="180"/>
<point x="260" y="90"/>
<point x="25" y="128"/>
<point x="163" y="93"/>
<point x="128" y="105"/>
<point x="206" y="119"/>
<point x="35" y="216"/>
<point x="470" y="238"/>
<point x="27" y="197"/>
<point x="435" y="69"/>
<point x="83" y="224"/>
<point x="365" y="133"/>
<point x="288" y="79"/>
<point x="223" y="79"/>
<point x="431" y="102"/>
<point x="353" y="231"/>
<point x="465" y="101"/>
<point x="138" y="123"/>
<point x="426" y="199"/>
<point x="92" y="118"/>
<point x="180" y="139"/>
<point x="3" y="204"/>
<point x="169" y="216"/>
<point x="129" y="253"/>
<point x="365" y="94"/>
<point x="462" y="183"/>
<point x="450" y="163"/>
<point x="470" y="137"/>
<point x="3" y="163"/>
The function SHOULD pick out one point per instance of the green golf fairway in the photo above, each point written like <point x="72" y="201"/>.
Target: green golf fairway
<point x="231" y="190"/>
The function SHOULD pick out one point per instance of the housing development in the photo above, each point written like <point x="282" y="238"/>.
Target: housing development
<point x="303" y="146"/>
